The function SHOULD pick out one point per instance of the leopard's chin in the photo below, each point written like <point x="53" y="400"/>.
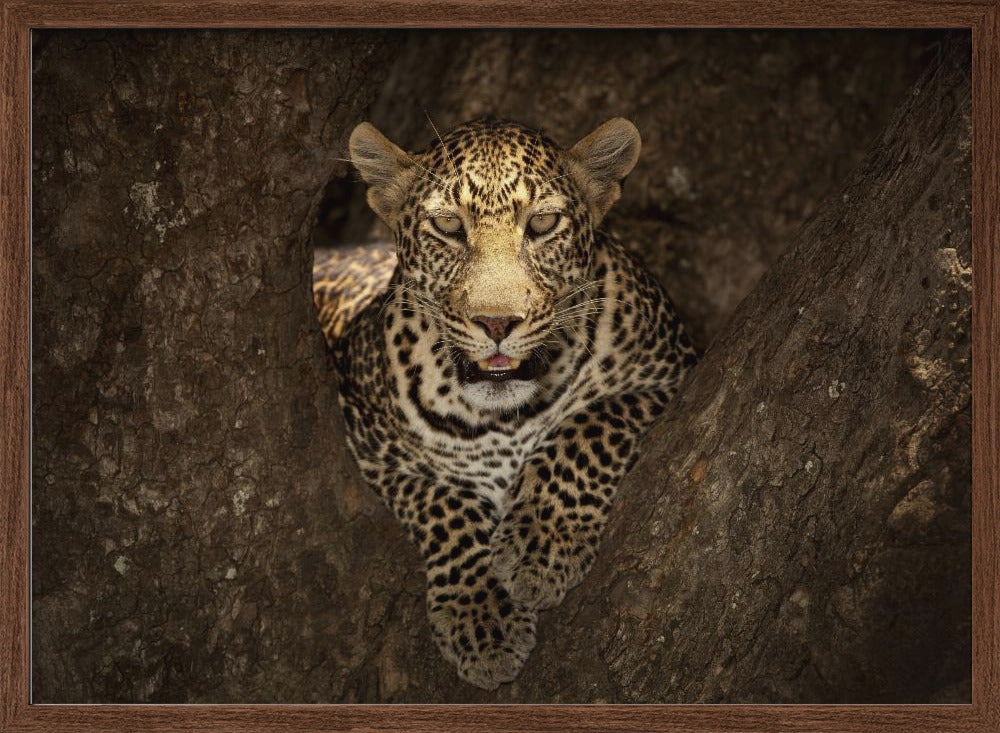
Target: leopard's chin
<point x="493" y="389"/>
<point x="500" y="397"/>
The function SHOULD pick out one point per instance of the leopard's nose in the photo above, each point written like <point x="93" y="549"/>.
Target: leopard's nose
<point x="497" y="327"/>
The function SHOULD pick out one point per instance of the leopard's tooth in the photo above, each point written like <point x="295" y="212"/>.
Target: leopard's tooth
<point x="484" y="365"/>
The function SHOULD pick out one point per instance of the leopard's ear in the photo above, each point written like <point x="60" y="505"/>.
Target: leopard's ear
<point x="601" y="161"/>
<point x="385" y="167"/>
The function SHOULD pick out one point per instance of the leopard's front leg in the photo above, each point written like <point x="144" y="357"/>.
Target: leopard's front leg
<point x="476" y="624"/>
<point x="549" y="539"/>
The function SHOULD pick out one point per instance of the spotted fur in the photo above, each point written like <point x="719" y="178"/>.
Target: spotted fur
<point x="504" y="479"/>
<point x="346" y="279"/>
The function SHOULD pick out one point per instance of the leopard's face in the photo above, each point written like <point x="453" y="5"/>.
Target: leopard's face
<point x="494" y="233"/>
<point x="497" y="236"/>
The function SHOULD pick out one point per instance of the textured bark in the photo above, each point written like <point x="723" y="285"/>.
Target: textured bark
<point x="196" y="519"/>
<point x="797" y="529"/>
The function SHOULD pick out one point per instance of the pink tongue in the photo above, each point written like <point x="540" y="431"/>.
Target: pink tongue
<point x="499" y="361"/>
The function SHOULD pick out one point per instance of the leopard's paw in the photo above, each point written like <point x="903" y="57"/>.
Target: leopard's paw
<point x="487" y="638"/>
<point x="535" y="564"/>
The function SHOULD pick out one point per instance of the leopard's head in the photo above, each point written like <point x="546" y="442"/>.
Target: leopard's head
<point x="494" y="227"/>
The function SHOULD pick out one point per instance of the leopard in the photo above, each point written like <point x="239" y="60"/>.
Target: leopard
<point x="497" y="376"/>
<point x="346" y="279"/>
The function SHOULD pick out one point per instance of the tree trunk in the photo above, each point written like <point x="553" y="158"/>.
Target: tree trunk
<point x="797" y="529"/>
<point x="198" y="530"/>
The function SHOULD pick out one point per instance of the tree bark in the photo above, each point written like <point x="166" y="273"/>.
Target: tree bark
<point x="797" y="529"/>
<point x="198" y="529"/>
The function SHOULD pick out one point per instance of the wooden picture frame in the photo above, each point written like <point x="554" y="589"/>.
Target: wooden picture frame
<point x="19" y="17"/>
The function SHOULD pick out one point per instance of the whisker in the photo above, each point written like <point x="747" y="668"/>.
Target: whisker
<point x="554" y="178"/>
<point x="443" y="146"/>
<point x="586" y="308"/>
<point x="576" y="290"/>
<point x="434" y="181"/>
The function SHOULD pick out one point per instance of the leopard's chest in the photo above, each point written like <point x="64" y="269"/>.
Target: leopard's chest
<point x="491" y="462"/>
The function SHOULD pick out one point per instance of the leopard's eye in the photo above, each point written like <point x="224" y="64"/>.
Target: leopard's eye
<point x="447" y="224"/>
<point x="543" y="223"/>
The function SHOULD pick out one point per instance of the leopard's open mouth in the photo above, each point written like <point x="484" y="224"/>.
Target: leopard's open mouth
<point x="471" y="372"/>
